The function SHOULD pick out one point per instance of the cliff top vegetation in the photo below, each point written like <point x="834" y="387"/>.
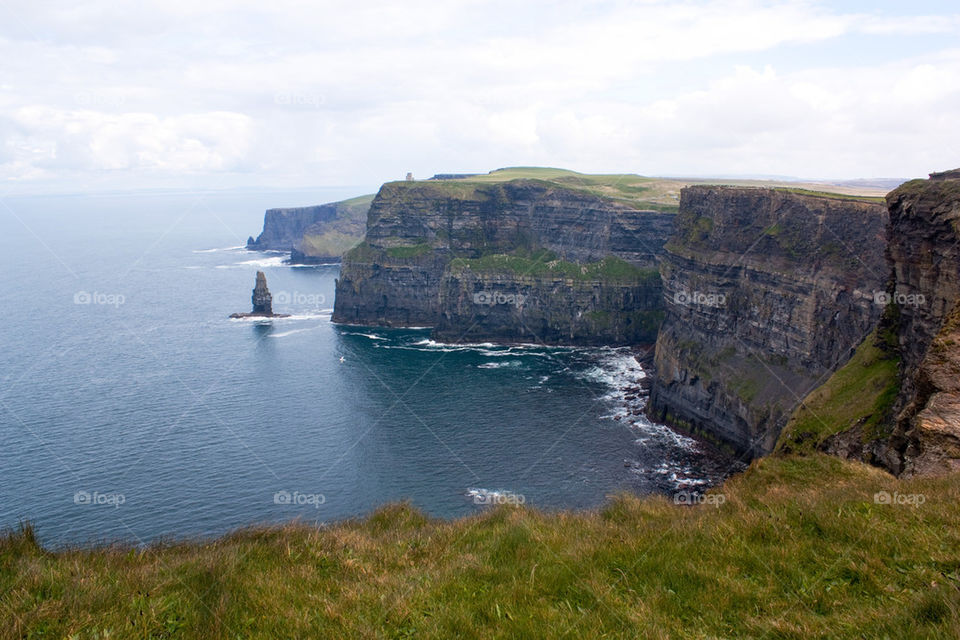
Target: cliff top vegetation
<point x="658" y="194"/>
<point x="795" y="547"/>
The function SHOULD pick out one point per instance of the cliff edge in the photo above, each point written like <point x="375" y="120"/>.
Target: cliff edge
<point x="513" y="261"/>
<point x="315" y="234"/>
<point x="767" y="292"/>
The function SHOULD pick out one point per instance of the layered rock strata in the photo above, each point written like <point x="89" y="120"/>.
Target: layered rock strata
<point x="767" y="291"/>
<point x="516" y="261"/>
<point x="924" y="254"/>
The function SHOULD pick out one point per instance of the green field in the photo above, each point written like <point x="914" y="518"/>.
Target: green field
<point x="796" y="547"/>
<point x="661" y="194"/>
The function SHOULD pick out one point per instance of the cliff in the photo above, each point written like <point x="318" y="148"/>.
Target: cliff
<point x="314" y="234"/>
<point x="519" y="260"/>
<point x="924" y="255"/>
<point x="767" y="291"/>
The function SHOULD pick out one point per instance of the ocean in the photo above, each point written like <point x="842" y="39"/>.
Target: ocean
<point x="133" y="409"/>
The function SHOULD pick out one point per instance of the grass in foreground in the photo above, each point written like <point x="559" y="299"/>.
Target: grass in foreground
<point x="798" y="549"/>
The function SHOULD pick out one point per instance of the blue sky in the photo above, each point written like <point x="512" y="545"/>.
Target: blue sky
<point x="225" y="93"/>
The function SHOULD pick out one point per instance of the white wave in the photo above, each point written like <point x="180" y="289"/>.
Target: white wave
<point x="273" y="261"/>
<point x="220" y="249"/>
<point x="497" y="365"/>
<point x="289" y="318"/>
<point x="420" y="349"/>
<point x="488" y="349"/>
<point x="463" y="345"/>
<point x="292" y="331"/>
<point x="372" y="336"/>
<point x="681" y="477"/>
<point x="619" y="371"/>
<point x="660" y="432"/>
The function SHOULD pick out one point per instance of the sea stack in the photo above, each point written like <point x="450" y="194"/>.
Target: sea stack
<point x="262" y="301"/>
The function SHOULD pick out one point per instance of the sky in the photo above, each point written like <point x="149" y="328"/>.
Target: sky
<point x="98" y="95"/>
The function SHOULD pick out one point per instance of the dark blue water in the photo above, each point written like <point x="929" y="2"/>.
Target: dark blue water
<point x="132" y="408"/>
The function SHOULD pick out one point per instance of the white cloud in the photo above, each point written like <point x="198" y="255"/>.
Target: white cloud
<point x="347" y="92"/>
<point x="72" y="140"/>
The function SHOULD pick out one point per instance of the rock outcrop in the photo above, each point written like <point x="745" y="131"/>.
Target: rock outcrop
<point x="262" y="301"/>
<point x="317" y="234"/>
<point x="924" y="253"/>
<point x="523" y="260"/>
<point x="767" y="291"/>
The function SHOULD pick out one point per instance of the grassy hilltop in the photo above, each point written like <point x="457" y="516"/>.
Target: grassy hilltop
<point x="796" y="547"/>
<point x="662" y="194"/>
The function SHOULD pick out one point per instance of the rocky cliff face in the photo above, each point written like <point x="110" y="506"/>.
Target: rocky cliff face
<point x="924" y="252"/>
<point x="766" y="292"/>
<point x="282" y="228"/>
<point x="316" y="234"/>
<point x="506" y="305"/>
<point x="519" y="260"/>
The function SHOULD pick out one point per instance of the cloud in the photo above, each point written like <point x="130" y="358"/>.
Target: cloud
<point x="347" y="92"/>
<point x="70" y="140"/>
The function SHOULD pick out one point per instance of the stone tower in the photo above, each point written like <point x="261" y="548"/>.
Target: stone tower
<point x="262" y="300"/>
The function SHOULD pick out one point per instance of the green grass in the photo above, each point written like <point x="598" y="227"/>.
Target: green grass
<point x="545" y="264"/>
<point x="797" y="549"/>
<point x="829" y="194"/>
<point x="859" y="394"/>
<point x="657" y="194"/>
<point x="331" y="243"/>
<point x="412" y="251"/>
